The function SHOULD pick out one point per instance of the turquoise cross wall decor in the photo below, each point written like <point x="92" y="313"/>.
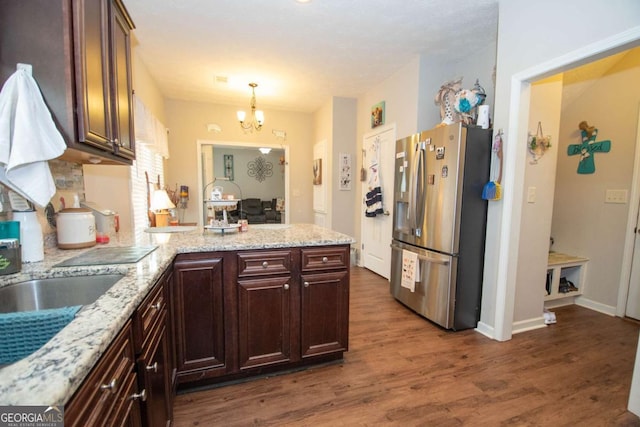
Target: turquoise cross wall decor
<point x="586" y="149"/>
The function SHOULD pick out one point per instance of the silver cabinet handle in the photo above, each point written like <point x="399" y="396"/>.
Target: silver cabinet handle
<point x="156" y="306"/>
<point x="325" y="260"/>
<point x="265" y="264"/>
<point x="306" y="284"/>
<point x="113" y="384"/>
<point x="286" y="286"/>
<point x="142" y="395"/>
<point x="153" y="367"/>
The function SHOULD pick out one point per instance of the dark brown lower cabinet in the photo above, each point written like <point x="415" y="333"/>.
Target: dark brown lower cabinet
<point x="153" y="362"/>
<point x="324" y="322"/>
<point x="264" y="321"/>
<point x="215" y="317"/>
<point x="200" y="318"/>
<point x="110" y="394"/>
<point x="244" y="313"/>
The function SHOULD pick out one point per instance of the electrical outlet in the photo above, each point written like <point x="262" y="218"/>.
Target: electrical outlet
<point x="615" y="196"/>
<point x="531" y="195"/>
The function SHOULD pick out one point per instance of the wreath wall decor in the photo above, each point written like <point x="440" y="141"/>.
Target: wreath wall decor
<point x="260" y="169"/>
<point x="538" y="144"/>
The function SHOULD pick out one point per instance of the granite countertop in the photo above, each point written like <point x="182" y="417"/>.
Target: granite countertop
<point x="51" y="375"/>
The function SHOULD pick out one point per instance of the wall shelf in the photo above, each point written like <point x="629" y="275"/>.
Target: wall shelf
<point x="571" y="267"/>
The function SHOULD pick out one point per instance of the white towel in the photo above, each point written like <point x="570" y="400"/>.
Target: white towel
<point x="410" y="270"/>
<point x="28" y="138"/>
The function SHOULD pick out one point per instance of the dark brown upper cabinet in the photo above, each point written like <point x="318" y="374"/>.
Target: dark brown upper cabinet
<point x="80" y="51"/>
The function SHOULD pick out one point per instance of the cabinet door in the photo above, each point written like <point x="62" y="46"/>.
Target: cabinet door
<point x="91" y="32"/>
<point x="324" y="311"/>
<point x="122" y="91"/>
<point x="264" y="324"/>
<point x="199" y="318"/>
<point x="127" y="411"/>
<point x="154" y="377"/>
<point x="110" y="391"/>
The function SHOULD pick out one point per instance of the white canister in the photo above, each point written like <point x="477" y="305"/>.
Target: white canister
<point x="76" y="228"/>
<point x="31" y="238"/>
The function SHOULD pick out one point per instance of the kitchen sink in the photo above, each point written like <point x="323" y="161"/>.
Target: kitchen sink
<point x="42" y="294"/>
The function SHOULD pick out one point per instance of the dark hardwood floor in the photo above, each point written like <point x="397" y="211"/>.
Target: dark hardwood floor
<point x="403" y="370"/>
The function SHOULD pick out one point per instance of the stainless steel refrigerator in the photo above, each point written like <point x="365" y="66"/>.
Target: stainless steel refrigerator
<point x="439" y="223"/>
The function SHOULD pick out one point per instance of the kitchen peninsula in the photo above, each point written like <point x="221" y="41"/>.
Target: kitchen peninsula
<point x="299" y="266"/>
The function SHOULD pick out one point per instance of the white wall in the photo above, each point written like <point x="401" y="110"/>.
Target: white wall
<point x="269" y="188"/>
<point x="187" y="123"/>
<point x="525" y="55"/>
<point x="116" y="179"/>
<point x="546" y="101"/>
<point x="344" y="203"/>
<point x="400" y="93"/>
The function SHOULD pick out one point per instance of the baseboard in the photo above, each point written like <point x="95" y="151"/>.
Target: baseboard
<point x="596" y="306"/>
<point x="528" y="325"/>
<point x="486" y="330"/>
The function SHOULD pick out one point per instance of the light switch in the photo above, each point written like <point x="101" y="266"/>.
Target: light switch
<point x="531" y="195"/>
<point x="615" y="196"/>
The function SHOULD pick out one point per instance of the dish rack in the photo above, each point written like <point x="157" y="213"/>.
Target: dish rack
<point x="215" y="201"/>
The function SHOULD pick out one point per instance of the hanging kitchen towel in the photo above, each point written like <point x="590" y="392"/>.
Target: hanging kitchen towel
<point x="28" y="139"/>
<point x="410" y="270"/>
<point x="373" y="198"/>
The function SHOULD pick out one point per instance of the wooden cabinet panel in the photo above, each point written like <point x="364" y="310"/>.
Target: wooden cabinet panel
<point x="81" y="59"/>
<point x="238" y="314"/>
<point x="264" y="321"/>
<point x="325" y="258"/>
<point x="154" y="378"/>
<point x="324" y="323"/>
<point x="91" y="33"/>
<point x="199" y="317"/>
<point x="107" y="390"/>
<point x="148" y="315"/>
<point x="122" y="90"/>
<point x="127" y="410"/>
<point x="264" y="263"/>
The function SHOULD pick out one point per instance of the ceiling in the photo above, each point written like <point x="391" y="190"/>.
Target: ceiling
<point x="299" y="54"/>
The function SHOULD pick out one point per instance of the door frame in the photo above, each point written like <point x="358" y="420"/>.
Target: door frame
<point x="630" y="236"/>
<point x="514" y="161"/>
<point x="201" y="142"/>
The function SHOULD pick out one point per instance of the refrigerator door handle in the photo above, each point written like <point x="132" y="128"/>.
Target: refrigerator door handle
<point x="423" y="258"/>
<point x="418" y="202"/>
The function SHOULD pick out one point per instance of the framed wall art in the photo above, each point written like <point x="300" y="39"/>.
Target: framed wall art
<point x="228" y="166"/>
<point x="377" y="115"/>
<point x="345" y="172"/>
<point x="317" y="172"/>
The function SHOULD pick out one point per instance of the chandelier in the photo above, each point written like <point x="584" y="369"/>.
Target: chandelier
<point x="257" y="116"/>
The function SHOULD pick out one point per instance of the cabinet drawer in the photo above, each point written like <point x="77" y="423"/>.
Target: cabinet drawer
<point x="104" y="388"/>
<point x="147" y="315"/>
<point x="327" y="258"/>
<point x="262" y="263"/>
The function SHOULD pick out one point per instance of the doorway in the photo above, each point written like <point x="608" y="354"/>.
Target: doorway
<point x="511" y="247"/>
<point x="252" y="173"/>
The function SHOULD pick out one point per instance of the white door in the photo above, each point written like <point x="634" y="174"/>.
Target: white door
<point x="376" y="231"/>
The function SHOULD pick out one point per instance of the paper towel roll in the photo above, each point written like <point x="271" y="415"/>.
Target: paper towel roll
<point x="483" y="116"/>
